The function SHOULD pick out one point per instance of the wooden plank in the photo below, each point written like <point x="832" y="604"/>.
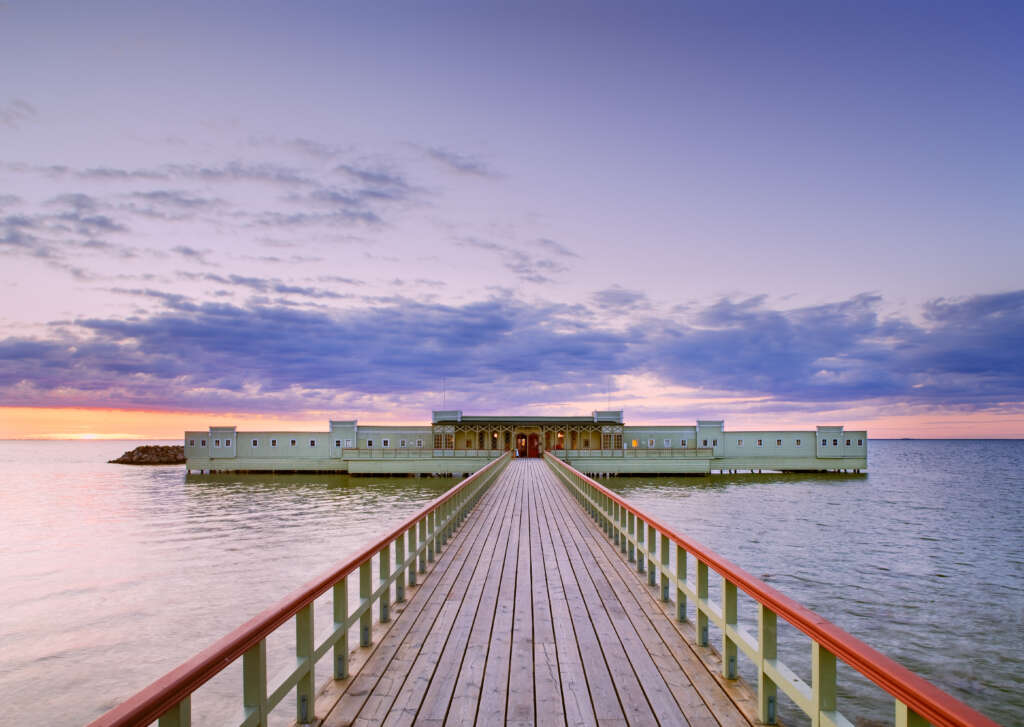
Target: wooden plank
<point x="520" y="708"/>
<point x="608" y="646"/>
<point x="469" y="683"/>
<point x="494" y="691"/>
<point x="361" y="684"/>
<point x="430" y="706"/>
<point x="547" y="682"/>
<point x="641" y="605"/>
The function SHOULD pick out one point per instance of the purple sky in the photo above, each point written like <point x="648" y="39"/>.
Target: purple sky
<point x="795" y="209"/>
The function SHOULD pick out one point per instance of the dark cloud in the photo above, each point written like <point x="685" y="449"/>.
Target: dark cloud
<point x="266" y="285"/>
<point x="519" y="262"/>
<point x="461" y="163"/>
<point x="619" y="298"/>
<point x="16" y="112"/>
<point x="555" y="248"/>
<point x="269" y="356"/>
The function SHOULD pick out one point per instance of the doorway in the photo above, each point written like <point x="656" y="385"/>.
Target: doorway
<point x="533" y="446"/>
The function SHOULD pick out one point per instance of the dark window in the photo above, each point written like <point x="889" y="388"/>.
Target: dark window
<point x="337" y="443"/>
<point x="312" y="442"/>
<point x="202" y="442"/>
<point x="860" y="442"/>
<point x="835" y="442"/>
<point x="778" y="442"/>
<point x="824" y="442"/>
<point x="294" y="442"/>
<point x="255" y="442"/>
<point x="227" y="442"/>
<point x="273" y="442"/>
<point x="191" y="442"/>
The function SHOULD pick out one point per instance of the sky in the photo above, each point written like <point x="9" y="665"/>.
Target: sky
<point x="274" y="214"/>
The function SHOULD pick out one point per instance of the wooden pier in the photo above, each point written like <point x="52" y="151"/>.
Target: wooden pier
<point x="531" y="617"/>
<point x="529" y="594"/>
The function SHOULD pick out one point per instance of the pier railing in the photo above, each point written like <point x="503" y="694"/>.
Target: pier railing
<point x="636" y="452"/>
<point x="647" y="542"/>
<point x="401" y="555"/>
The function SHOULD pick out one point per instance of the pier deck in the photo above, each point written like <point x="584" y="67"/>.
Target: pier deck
<point x="529" y="617"/>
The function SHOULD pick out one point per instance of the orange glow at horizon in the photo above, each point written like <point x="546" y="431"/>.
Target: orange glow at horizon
<point x="66" y="423"/>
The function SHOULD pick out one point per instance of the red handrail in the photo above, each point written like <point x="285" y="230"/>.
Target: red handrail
<point x="148" y="704"/>
<point x="922" y="696"/>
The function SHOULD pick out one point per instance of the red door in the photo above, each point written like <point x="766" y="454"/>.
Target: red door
<point x="534" y="446"/>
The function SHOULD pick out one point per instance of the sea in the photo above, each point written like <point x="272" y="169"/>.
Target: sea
<point x="111" y="575"/>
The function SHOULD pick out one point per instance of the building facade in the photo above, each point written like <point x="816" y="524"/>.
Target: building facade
<point x="454" y="444"/>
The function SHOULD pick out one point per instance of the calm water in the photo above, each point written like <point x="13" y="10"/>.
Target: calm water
<point x="112" y="575"/>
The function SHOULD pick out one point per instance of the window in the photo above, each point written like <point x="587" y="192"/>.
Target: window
<point x="835" y="442"/>
<point x="650" y="444"/>
<point x="617" y="441"/>
<point x="760" y="442"/>
<point x="348" y="444"/>
<point x="227" y="442"/>
<point x="469" y="443"/>
<point x="799" y="442"/>
<point x="705" y="443"/>
<point x="202" y="442"/>
<point x="682" y="443"/>
<point x="847" y="442"/>
<point x="191" y="442"/>
<point x="778" y="442"/>
<point x="714" y="442"/>
<point x="255" y="443"/>
<point x="369" y="444"/>
<point x="635" y="445"/>
<point x="449" y="441"/>
<point x="337" y="444"/>
<point x="438" y="440"/>
<point x="294" y="442"/>
<point x="860" y="442"/>
<point x="739" y="442"/>
<point x="824" y="442"/>
<point x="668" y="443"/>
<point x="401" y="443"/>
<point x="385" y="442"/>
<point x="273" y="442"/>
<point x="419" y="444"/>
<point x="216" y="442"/>
<point x="586" y="443"/>
<point x="312" y="442"/>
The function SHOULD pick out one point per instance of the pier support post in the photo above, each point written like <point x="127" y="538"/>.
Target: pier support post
<point x="767" y="650"/>
<point x="341" y="622"/>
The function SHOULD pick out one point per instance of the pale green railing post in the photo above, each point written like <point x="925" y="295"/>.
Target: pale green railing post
<point x="641" y="555"/>
<point x="400" y="568"/>
<point x="823" y="682"/>
<point x="180" y="715"/>
<point x="632" y="536"/>
<point x="702" y="595"/>
<point x="254" y="682"/>
<point x="341" y="622"/>
<point x="411" y="557"/>
<point x="681" y="578"/>
<point x="305" y="690"/>
<point x="616" y="523"/>
<point x="665" y="553"/>
<point x="421" y="529"/>
<point x="906" y="717"/>
<point x="431" y="534"/>
<point x="652" y="555"/>
<point x="729" y="616"/>
<point x="623" y="529"/>
<point x="767" y="650"/>
<point x="385" y="574"/>
<point x="365" y="593"/>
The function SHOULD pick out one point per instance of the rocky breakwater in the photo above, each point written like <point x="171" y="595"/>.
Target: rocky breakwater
<point x="153" y="454"/>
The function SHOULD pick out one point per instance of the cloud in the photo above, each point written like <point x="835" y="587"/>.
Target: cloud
<point x="267" y="356"/>
<point x="618" y="298"/>
<point x="555" y="248"/>
<point x="461" y="163"/>
<point x="16" y="112"/>
<point x="519" y="262"/>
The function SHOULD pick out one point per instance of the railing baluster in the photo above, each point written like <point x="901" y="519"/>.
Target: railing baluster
<point x="823" y="682"/>
<point x="906" y="717"/>
<point x="729" y="616"/>
<point x="411" y="557"/>
<point x="400" y="568"/>
<point x="665" y="553"/>
<point x="431" y="534"/>
<point x="681" y="579"/>
<point x="622" y="529"/>
<point x="632" y="536"/>
<point x="421" y="529"/>
<point x="180" y="715"/>
<point x="305" y="690"/>
<point x="652" y="550"/>
<point x="385" y="573"/>
<point x="767" y="649"/>
<point x="641" y="554"/>
<point x="365" y="593"/>
<point x="702" y="597"/>
<point x="341" y="622"/>
<point x="254" y="682"/>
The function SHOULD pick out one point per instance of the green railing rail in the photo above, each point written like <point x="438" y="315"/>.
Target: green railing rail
<point x="637" y="535"/>
<point x="636" y="452"/>
<point x="401" y="554"/>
